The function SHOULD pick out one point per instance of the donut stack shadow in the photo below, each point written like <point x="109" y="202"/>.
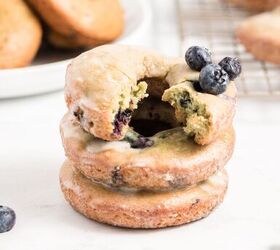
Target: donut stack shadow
<point x="168" y="180"/>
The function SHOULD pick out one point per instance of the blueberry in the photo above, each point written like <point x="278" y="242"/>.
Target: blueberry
<point x="138" y="141"/>
<point x="142" y="142"/>
<point x="197" y="57"/>
<point x="184" y="102"/>
<point x="7" y="219"/>
<point x="79" y="113"/>
<point x="232" y="66"/>
<point x="213" y="79"/>
<point x="197" y="87"/>
<point x="122" y="118"/>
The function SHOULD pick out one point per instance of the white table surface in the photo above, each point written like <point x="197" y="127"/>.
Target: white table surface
<point x="31" y="155"/>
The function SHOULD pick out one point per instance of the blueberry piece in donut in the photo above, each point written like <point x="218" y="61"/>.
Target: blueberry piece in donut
<point x="122" y="118"/>
<point x="138" y="141"/>
<point x="78" y="113"/>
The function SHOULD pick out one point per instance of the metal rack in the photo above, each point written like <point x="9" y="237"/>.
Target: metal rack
<point x="212" y="23"/>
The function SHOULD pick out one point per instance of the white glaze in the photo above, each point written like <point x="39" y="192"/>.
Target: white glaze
<point x="97" y="145"/>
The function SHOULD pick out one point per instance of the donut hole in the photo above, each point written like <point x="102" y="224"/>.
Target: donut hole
<point x="153" y="88"/>
<point x="153" y="116"/>
<point x="149" y="128"/>
<point x="156" y="87"/>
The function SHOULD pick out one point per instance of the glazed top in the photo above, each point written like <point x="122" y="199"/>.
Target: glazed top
<point x="104" y="80"/>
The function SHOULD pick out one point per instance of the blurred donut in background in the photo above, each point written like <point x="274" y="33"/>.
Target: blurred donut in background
<point x="82" y="23"/>
<point x="68" y="24"/>
<point x="71" y="42"/>
<point x="256" y="5"/>
<point x="17" y="46"/>
<point x="260" y="35"/>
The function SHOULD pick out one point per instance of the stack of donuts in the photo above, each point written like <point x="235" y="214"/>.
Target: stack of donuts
<point x="146" y="137"/>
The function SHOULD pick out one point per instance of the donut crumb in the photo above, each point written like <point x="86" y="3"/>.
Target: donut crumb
<point x="191" y="112"/>
<point x="138" y="93"/>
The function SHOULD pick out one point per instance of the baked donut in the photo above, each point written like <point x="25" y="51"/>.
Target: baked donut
<point x="105" y="85"/>
<point x="71" y="42"/>
<point x="260" y="35"/>
<point x="87" y="22"/>
<point x="141" y="209"/>
<point x="167" y="160"/>
<point x="256" y="5"/>
<point x="20" y="34"/>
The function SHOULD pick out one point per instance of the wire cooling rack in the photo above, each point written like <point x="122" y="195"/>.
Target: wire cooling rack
<point x="212" y="23"/>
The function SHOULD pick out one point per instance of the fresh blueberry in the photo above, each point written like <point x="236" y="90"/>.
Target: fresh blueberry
<point x="213" y="79"/>
<point x="197" y="57"/>
<point x="197" y="86"/>
<point x="232" y="66"/>
<point x="7" y="219"/>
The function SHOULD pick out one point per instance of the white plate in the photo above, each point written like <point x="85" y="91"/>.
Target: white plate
<point x="47" y="72"/>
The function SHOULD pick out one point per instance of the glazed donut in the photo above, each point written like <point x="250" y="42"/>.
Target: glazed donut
<point x="141" y="209"/>
<point x="167" y="160"/>
<point x="105" y="85"/>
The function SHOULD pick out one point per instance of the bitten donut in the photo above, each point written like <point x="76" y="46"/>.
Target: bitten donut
<point x="105" y="85"/>
<point x="20" y="34"/>
<point x="87" y="22"/>
<point x="260" y="35"/>
<point x="256" y="5"/>
<point x="167" y="160"/>
<point x="198" y="112"/>
<point x="141" y="209"/>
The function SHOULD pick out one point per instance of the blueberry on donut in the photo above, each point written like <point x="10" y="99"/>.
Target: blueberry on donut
<point x="146" y="136"/>
<point x="106" y="85"/>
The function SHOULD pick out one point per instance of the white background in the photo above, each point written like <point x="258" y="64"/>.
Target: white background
<point x="31" y="155"/>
